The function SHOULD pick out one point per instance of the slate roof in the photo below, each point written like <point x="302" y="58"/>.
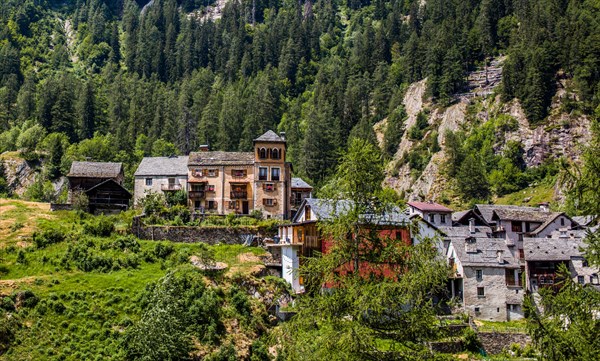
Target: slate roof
<point x="486" y="251"/>
<point x="525" y="215"/>
<point x="220" y="158"/>
<point x="300" y="183"/>
<point x="163" y="166"/>
<point x="101" y="184"/>
<point x="429" y="207"/>
<point x="556" y="248"/>
<point x="457" y="216"/>
<point x="95" y="169"/>
<point x="270" y="136"/>
<point x="552" y="219"/>
<point x="326" y="209"/>
<point x="487" y="210"/>
<point x="583" y="220"/>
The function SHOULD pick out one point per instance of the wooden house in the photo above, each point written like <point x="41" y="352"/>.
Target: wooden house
<point x="102" y="183"/>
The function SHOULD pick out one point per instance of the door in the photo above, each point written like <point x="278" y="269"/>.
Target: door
<point x="244" y="207"/>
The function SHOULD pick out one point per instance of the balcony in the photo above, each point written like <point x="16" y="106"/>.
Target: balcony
<point x="239" y="195"/>
<point x="196" y="194"/>
<point x="170" y="187"/>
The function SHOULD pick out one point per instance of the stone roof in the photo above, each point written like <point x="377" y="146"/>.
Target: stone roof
<point x="220" y="158"/>
<point x="163" y="166"/>
<point x="557" y="248"/>
<point x="583" y="220"/>
<point x="483" y="251"/>
<point x="429" y="207"/>
<point x="270" y="136"/>
<point x="326" y="209"/>
<point x="525" y="215"/>
<point x="487" y="210"/>
<point x="95" y="169"/>
<point x="300" y="183"/>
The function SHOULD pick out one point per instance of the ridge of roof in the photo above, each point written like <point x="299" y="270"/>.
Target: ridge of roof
<point x="429" y="206"/>
<point x="95" y="169"/>
<point x="270" y="136"/>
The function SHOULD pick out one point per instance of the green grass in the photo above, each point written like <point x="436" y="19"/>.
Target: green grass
<point x="518" y="326"/>
<point x="535" y="195"/>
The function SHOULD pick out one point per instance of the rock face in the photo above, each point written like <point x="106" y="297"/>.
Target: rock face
<point x="560" y="135"/>
<point x="19" y="174"/>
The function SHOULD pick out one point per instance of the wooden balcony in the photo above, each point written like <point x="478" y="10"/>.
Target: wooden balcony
<point x="238" y="195"/>
<point x="196" y="194"/>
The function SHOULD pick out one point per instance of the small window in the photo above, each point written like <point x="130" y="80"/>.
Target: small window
<point x="262" y="173"/>
<point x="432" y="218"/>
<point x="275" y="153"/>
<point x="171" y="181"/>
<point x="479" y="275"/>
<point x="442" y="218"/>
<point x="498" y="309"/>
<point x="580" y="280"/>
<point x="477" y="309"/>
<point x="269" y="202"/>
<point x="213" y="172"/>
<point x="262" y="153"/>
<point x="148" y="181"/>
<point x="197" y="205"/>
<point x="197" y="172"/>
<point x="584" y="263"/>
<point x="274" y="174"/>
<point x="233" y="205"/>
<point x="210" y="188"/>
<point x="211" y="205"/>
<point x="269" y="187"/>
<point x="562" y="221"/>
<point x="480" y="292"/>
<point x="594" y="279"/>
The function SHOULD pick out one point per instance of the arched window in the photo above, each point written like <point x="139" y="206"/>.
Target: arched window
<point x="275" y="154"/>
<point x="262" y="153"/>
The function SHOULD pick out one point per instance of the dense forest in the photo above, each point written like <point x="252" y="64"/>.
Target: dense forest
<point x="116" y="80"/>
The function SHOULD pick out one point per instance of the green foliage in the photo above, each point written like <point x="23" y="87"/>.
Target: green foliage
<point x="100" y="226"/>
<point x="178" y="198"/>
<point x="394" y="130"/>
<point x="471" y="340"/>
<point x="48" y="237"/>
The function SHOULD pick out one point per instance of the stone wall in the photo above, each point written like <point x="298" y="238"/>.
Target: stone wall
<point x="186" y="234"/>
<point x="495" y="342"/>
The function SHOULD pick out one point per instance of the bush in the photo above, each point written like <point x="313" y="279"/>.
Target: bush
<point x="101" y="226"/>
<point x="48" y="237"/>
<point x="471" y="340"/>
<point x="163" y="250"/>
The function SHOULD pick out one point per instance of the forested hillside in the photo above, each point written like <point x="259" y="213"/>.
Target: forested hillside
<point x="116" y="80"/>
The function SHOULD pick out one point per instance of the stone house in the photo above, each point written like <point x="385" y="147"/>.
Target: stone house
<point x="485" y="276"/>
<point x="160" y="175"/>
<point x="101" y="182"/>
<point x="241" y="182"/>
<point x="300" y="191"/>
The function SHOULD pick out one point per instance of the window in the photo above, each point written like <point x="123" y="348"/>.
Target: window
<point x="477" y="309"/>
<point x="432" y="218"/>
<point x="480" y="292"/>
<point x="517" y="226"/>
<point x="269" y="187"/>
<point x="307" y="214"/>
<point x="198" y="187"/>
<point x="148" y="181"/>
<point x="210" y="188"/>
<point x="584" y="263"/>
<point x="442" y="218"/>
<point x="197" y="205"/>
<point x="171" y="182"/>
<point x="213" y="172"/>
<point x="521" y="253"/>
<point x="274" y="174"/>
<point x="479" y="275"/>
<point x="262" y="153"/>
<point x="233" y="205"/>
<point x="197" y="172"/>
<point x="562" y="221"/>
<point x="238" y="173"/>
<point x="211" y="205"/>
<point x="275" y="153"/>
<point x="262" y="173"/>
<point x="594" y="279"/>
<point x="580" y="280"/>
<point x="269" y="202"/>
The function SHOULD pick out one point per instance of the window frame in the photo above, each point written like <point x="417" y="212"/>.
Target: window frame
<point x="479" y="274"/>
<point x="481" y="292"/>
<point x="148" y="182"/>
<point x="266" y="175"/>
<point x="278" y="174"/>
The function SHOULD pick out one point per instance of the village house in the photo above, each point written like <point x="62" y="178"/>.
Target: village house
<point x="302" y="238"/>
<point x="434" y="213"/>
<point x="160" y="175"/>
<point x="242" y="182"/>
<point x="300" y="191"/>
<point x="102" y="183"/>
<point x="485" y="276"/>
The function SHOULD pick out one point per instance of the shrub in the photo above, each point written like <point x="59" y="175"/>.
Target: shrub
<point x="126" y="243"/>
<point x="163" y="250"/>
<point x="471" y="341"/>
<point x="48" y="237"/>
<point x="100" y="226"/>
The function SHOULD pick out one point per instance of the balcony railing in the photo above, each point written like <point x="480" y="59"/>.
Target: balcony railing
<point x="170" y="187"/>
<point x="239" y="195"/>
<point x="196" y="194"/>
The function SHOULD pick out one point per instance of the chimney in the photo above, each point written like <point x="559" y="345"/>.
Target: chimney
<point x="204" y="148"/>
<point x="544" y="207"/>
<point x="282" y="135"/>
<point x="472" y="225"/>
